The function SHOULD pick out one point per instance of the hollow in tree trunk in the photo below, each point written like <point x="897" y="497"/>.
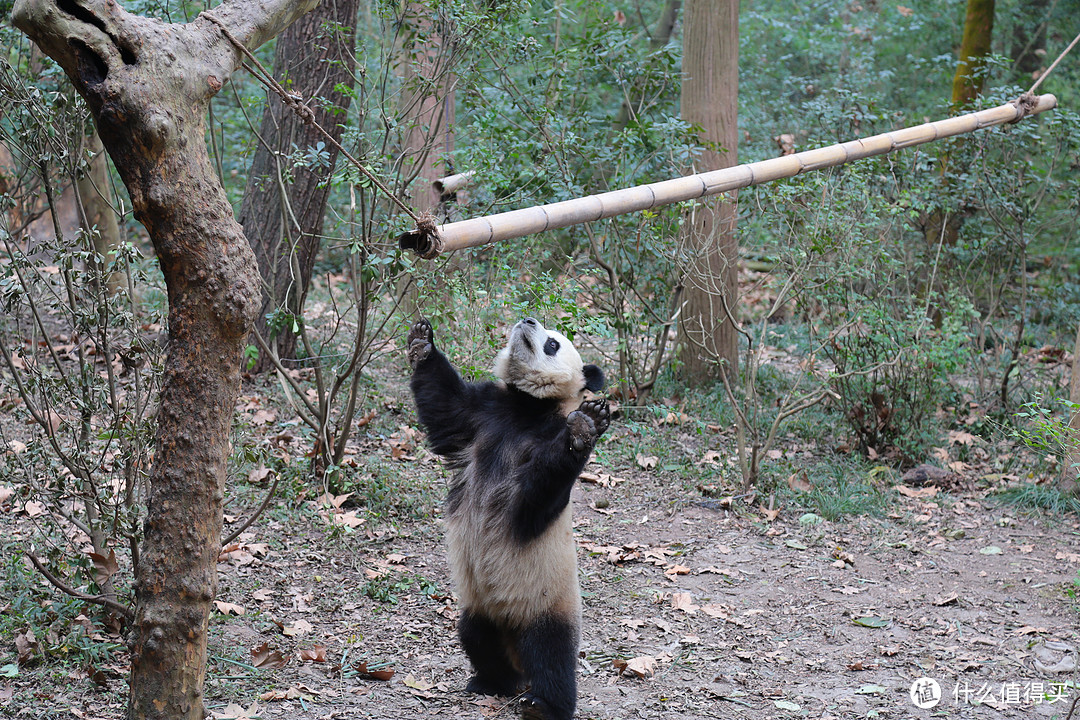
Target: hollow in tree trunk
<point x="148" y="85"/>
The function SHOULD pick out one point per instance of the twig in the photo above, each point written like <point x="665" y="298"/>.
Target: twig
<point x="68" y="590"/>
<point x="255" y="515"/>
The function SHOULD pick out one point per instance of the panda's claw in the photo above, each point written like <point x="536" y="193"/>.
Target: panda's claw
<point x="420" y="342"/>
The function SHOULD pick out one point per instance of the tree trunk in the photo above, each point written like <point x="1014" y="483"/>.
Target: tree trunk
<point x="710" y="94"/>
<point x="975" y="46"/>
<point x="1029" y="39"/>
<point x="427" y="105"/>
<point x="96" y="210"/>
<point x="1069" y="482"/>
<point x="664" y="27"/>
<point x="940" y="227"/>
<point x="283" y="219"/>
<point x="148" y="86"/>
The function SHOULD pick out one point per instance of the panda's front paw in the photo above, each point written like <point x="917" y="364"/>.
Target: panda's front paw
<point x="420" y="342"/>
<point x="588" y="423"/>
<point x="597" y="410"/>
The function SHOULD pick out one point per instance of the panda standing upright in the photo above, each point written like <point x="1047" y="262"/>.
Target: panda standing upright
<point x="516" y="448"/>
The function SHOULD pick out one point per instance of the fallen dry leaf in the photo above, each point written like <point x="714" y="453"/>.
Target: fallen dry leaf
<point x="684" y="602"/>
<point x="647" y="462"/>
<point x="800" y="482"/>
<point x="26" y="645"/>
<point x="264" y="657"/>
<point x="926" y="492"/>
<point x="642" y="666"/>
<point x="315" y="653"/>
<point x="104" y="566"/>
<point x="378" y="673"/>
<point x="235" y="712"/>
<point x="228" y="608"/>
<point x="298" y="628"/>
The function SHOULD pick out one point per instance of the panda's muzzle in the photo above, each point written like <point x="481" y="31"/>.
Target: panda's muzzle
<point x="525" y="329"/>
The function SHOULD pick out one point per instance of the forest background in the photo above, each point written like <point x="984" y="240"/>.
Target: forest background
<point x="908" y="321"/>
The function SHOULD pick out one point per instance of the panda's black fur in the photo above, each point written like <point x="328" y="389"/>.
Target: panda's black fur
<point x="516" y="447"/>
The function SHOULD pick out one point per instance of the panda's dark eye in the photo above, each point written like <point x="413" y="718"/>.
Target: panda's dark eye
<point x="551" y="347"/>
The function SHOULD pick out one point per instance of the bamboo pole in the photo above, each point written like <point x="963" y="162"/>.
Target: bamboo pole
<point x="528" y="221"/>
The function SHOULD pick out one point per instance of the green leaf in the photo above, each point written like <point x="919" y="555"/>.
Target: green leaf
<point x="9" y="671"/>
<point x="794" y="544"/>
<point x="990" y="550"/>
<point x="872" y="621"/>
<point x="786" y="705"/>
<point x="871" y="689"/>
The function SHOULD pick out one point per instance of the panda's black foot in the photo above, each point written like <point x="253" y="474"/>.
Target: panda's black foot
<point x="420" y="342"/>
<point x="588" y="423"/>
<point x="483" y="686"/>
<point x="533" y="708"/>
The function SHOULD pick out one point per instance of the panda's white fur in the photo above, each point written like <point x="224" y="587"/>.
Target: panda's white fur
<point x="498" y="576"/>
<point x="560" y="377"/>
<point x="517" y="447"/>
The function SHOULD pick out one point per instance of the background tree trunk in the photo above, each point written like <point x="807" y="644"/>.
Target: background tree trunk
<point x="96" y="200"/>
<point x="1069" y="481"/>
<point x="975" y="46"/>
<point x="1029" y="38"/>
<point x="282" y="217"/>
<point x="148" y="87"/>
<point x="427" y="105"/>
<point x="660" y="37"/>
<point x="939" y="226"/>
<point x="710" y="94"/>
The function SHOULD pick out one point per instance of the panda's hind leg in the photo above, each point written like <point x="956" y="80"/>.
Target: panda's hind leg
<point x="548" y="652"/>
<point x="485" y="644"/>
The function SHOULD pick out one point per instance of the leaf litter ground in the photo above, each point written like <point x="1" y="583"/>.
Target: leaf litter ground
<point x="692" y="610"/>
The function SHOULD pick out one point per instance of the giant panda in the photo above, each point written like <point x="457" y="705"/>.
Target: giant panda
<point x="516" y="447"/>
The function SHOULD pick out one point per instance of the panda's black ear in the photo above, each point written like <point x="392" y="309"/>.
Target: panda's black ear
<point x="594" y="378"/>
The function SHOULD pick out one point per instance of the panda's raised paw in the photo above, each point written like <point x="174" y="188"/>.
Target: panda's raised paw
<point x="597" y="410"/>
<point x="420" y="342"/>
<point x="587" y="423"/>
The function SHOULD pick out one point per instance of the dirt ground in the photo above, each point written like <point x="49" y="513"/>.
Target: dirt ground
<point x="691" y="610"/>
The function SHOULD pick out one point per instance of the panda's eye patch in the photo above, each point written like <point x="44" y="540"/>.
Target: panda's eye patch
<point x="551" y="347"/>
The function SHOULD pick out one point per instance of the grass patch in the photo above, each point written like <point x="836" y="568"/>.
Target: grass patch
<point x="1045" y="498"/>
<point x="842" y="489"/>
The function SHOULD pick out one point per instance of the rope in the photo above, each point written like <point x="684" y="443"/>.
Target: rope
<point x="1054" y="64"/>
<point x="1025" y="104"/>
<point x="427" y="237"/>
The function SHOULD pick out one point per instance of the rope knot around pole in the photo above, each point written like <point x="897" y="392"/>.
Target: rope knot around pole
<point x="1025" y="105"/>
<point x="424" y="239"/>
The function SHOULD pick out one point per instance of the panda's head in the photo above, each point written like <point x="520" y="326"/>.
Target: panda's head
<point x="544" y="364"/>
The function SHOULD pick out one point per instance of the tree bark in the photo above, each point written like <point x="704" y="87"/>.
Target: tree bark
<point x="282" y="218"/>
<point x="939" y="226"/>
<point x="148" y="86"/>
<point x="1029" y="38"/>
<point x="710" y="94"/>
<point x="95" y="198"/>
<point x="427" y="104"/>
<point x="664" y="27"/>
<point x="1069" y="482"/>
<point x="974" y="48"/>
